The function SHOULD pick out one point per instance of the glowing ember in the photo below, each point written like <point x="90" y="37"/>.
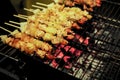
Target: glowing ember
<point x="66" y="58"/>
<point x="86" y="41"/>
<point x="60" y="55"/>
<point x="54" y="64"/>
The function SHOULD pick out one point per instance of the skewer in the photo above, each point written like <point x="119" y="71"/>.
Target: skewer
<point x="6" y="30"/>
<point x="30" y="10"/>
<point x="21" y="28"/>
<point x="20" y="17"/>
<point x="14" y="22"/>
<point x="38" y="7"/>
<point x="23" y="15"/>
<point x="12" y="25"/>
<point x="42" y="4"/>
<point x="34" y="11"/>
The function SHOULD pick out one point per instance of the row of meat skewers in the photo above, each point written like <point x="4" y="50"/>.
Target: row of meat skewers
<point x="87" y="4"/>
<point x="51" y="24"/>
<point x="45" y="25"/>
<point x="27" y="44"/>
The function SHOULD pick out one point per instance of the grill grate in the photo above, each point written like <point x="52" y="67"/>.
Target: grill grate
<point x="10" y="65"/>
<point x="10" y="68"/>
<point x="98" y="60"/>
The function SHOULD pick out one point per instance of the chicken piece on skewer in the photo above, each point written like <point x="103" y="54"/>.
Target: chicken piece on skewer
<point x="43" y="45"/>
<point x="83" y="20"/>
<point x="48" y="29"/>
<point x="44" y="54"/>
<point x="76" y="26"/>
<point x="35" y="32"/>
<point x="41" y="53"/>
<point x="48" y="37"/>
<point x="54" y="39"/>
<point x="3" y="37"/>
<point x="58" y="40"/>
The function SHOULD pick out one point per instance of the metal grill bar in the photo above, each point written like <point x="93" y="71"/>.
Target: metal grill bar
<point x="5" y="54"/>
<point x="111" y="2"/>
<point x="107" y="8"/>
<point x="108" y="64"/>
<point x="109" y="19"/>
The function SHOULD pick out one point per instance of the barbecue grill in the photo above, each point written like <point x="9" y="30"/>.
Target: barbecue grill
<point x="99" y="59"/>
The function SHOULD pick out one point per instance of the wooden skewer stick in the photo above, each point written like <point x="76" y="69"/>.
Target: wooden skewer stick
<point x="42" y="4"/>
<point x="23" y="15"/>
<point x="21" y="26"/>
<point x="20" y="17"/>
<point x="30" y="10"/>
<point x="6" y="30"/>
<point x="12" y="25"/>
<point x="14" y="22"/>
<point x="38" y="7"/>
